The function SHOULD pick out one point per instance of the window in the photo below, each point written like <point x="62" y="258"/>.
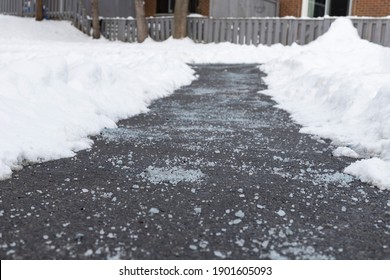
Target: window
<point x="320" y="8"/>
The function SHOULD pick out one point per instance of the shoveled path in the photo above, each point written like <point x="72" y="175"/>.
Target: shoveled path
<point x="213" y="171"/>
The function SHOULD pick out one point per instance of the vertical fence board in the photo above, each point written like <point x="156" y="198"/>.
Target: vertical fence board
<point x="369" y="32"/>
<point x="206" y="26"/>
<point x="216" y="31"/>
<point x="222" y="31"/>
<point x="229" y="31"/>
<point x="377" y="32"/>
<point x="302" y="32"/>
<point x="241" y="32"/>
<point x="311" y="34"/>
<point x="255" y="32"/>
<point x="383" y="32"/>
<point x="270" y="29"/>
<point x="114" y="30"/>
<point x="162" y="30"/>
<point x="234" y="31"/>
<point x="133" y="28"/>
<point x="319" y="31"/>
<point x="292" y="31"/>
<point x="202" y="30"/>
<point x="168" y="28"/>
<point x="198" y="23"/>
<point x="192" y="29"/>
<point x="277" y="28"/>
<point x="121" y="30"/>
<point x="386" y="39"/>
<point x="283" y="32"/>
<point x="263" y="30"/>
<point x="327" y="23"/>
<point x="157" y="27"/>
<point x="210" y="31"/>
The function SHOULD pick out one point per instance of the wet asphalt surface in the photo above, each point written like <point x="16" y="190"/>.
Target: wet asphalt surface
<point x="214" y="171"/>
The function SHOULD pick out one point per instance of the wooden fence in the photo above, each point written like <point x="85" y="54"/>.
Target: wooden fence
<point x="252" y="31"/>
<point x="255" y="31"/>
<point x="72" y="10"/>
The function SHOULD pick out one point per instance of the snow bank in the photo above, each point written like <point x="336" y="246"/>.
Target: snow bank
<point x="57" y="87"/>
<point x="338" y="87"/>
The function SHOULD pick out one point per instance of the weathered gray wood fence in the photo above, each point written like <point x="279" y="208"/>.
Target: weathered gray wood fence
<point x="252" y="31"/>
<point x="72" y="10"/>
<point x="255" y="31"/>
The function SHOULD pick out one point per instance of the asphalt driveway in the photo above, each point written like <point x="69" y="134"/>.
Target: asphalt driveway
<point x="213" y="171"/>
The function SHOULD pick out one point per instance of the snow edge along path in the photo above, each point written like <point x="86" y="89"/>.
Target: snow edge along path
<point x="57" y="87"/>
<point x="338" y="87"/>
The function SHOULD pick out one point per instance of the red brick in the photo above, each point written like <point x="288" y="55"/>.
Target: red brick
<point x="290" y="8"/>
<point x="371" y="8"/>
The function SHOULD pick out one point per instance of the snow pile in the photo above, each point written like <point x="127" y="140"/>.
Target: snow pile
<point x="338" y="87"/>
<point x="54" y="93"/>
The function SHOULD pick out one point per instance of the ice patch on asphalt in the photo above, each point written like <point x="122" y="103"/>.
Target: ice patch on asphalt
<point x="299" y="253"/>
<point x="172" y="175"/>
<point x="126" y="134"/>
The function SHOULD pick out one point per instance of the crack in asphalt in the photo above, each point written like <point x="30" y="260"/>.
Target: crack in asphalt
<point x="213" y="171"/>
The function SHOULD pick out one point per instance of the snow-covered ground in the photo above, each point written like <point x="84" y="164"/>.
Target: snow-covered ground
<point x="338" y="87"/>
<point x="58" y="86"/>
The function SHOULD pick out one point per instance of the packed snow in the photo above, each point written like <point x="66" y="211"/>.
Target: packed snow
<point x="58" y="86"/>
<point x="338" y="87"/>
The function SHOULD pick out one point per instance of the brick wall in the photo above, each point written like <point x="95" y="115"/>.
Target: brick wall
<point x="150" y="8"/>
<point x="204" y="7"/>
<point x="290" y="8"/>
<point x="371" y="8"/>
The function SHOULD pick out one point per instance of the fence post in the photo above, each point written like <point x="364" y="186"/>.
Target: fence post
<point x="386" y="42"/>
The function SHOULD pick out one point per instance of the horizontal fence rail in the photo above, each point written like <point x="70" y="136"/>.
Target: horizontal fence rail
<point x="251" y="31"/>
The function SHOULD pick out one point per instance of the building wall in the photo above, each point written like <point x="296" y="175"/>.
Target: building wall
<point x="150" y="8"/>
<point x="368" y="8"/>
<point x="290" y="8"/>
<point x="243" y="8"/>
<point x="371" y="8"/>
<point x="204" y="7"/>
<point x="113" y="8"/>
